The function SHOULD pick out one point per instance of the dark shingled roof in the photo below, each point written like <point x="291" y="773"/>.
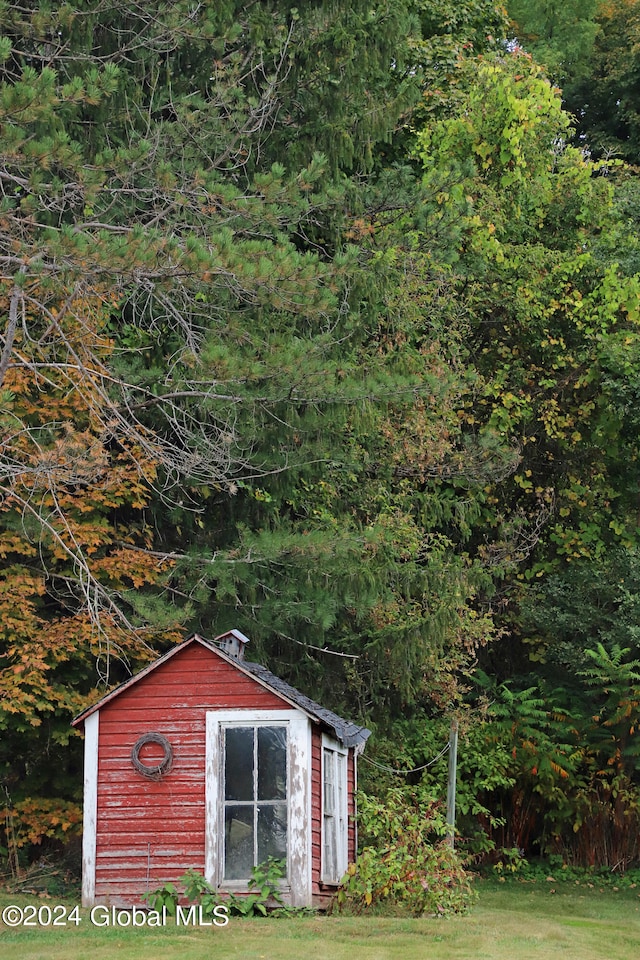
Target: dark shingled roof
<point x="348" y="733"/>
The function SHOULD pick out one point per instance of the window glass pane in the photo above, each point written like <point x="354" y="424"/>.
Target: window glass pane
<point x="255" y="797"/>
<point x="272" y="763"/>
<point x="238" y="765"/>
<point x="329" y="852"/>
<point x="341" y="783"/>
<point x="328" y="762"/>
<point x="238" y="847"/>
<point x="272" y="831"/>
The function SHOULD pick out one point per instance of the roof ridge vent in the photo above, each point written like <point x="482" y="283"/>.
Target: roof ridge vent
<point x="233" y="643"/>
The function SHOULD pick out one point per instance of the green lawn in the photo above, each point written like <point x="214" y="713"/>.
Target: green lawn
<point x="509" y="922"/>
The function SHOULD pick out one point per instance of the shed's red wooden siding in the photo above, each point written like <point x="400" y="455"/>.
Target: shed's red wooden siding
<point x="149" y="832"/>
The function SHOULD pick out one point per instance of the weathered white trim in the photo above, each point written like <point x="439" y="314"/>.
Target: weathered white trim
<point x="212" y="817"/>
<point x="298" y="796"/>
<point x="90" y="809"/>
<point x="355" y="807"/>
<point x="300" y="811"/>
<point x="341" y="816"/>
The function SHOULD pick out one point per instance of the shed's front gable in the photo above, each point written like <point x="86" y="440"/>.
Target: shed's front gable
<point x="197" y="763"/>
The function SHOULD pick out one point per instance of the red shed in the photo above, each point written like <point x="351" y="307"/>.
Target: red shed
<point x="205" y="761"/>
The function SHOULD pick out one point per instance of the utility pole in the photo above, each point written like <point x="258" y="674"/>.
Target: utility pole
<point x="451" y="789"/>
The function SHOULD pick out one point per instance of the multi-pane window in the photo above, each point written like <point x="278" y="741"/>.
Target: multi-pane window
<point x="334" y="812"/>
<point x="255" y="797"/>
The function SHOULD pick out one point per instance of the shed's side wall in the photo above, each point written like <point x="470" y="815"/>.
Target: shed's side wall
<point x="351" y="787"/>
<point x="323" y="892"/>
<point x="150" y="832"/>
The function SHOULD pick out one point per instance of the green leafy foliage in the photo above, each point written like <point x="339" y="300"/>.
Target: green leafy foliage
<point x="589" y="48"/>
<point x="560" y="35"/>
<point x="264" y="890"/>
<point x="574" y="790"/>
<point x="405" y="865"/>
<point x="263" y="897"/>
<point x="164" y="897"/>
<point x="528" y="207"/>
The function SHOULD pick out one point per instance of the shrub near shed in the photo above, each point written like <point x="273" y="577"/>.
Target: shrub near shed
<point x="408" y="867"/>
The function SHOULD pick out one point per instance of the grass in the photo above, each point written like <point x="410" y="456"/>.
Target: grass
<point x="512" y="921"/>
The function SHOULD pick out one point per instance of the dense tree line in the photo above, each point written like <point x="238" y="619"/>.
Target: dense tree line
<point x="322" y="322"/>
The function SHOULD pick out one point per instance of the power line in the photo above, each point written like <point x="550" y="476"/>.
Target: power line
<point x="405" y="773"/>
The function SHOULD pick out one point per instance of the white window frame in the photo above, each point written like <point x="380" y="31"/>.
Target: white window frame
<point x="335" y="821"/>
<point x="297" y="886"/>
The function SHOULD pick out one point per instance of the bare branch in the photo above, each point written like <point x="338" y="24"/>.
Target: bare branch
<point x="12" y="325"/>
